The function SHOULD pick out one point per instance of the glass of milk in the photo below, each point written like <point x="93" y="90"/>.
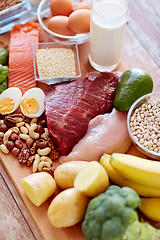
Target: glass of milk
<point x="108" y="22"/>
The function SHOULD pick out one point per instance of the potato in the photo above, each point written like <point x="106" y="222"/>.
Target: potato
<point x="38" y="187"/>
<point x="92" y="179"/>
<point x="67" y="208"/>
<point x="65" y="174"/>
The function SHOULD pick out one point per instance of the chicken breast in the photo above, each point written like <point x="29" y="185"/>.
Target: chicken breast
<point x="106" y="134"/>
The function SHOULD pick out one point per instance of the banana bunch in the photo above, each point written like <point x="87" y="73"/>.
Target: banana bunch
<point x="140" y="174"/>
<point x="150" y="207"/>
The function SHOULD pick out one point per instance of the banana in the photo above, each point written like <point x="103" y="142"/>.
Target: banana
<point x="142" y="190"/>
<point x="140" y="170"/>
<point x="150" y="207"/>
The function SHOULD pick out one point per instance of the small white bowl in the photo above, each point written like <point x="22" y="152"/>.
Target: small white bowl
<point x="144" y="99"/>
<point x="43" y="12"/>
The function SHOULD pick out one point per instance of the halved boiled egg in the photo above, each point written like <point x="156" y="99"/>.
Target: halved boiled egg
<point x="32" y="103"/>
<point x="10" y="100"/>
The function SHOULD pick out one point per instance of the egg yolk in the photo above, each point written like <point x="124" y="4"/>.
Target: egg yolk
<point x="29" y="105"/>
<point x="6" y="105"/>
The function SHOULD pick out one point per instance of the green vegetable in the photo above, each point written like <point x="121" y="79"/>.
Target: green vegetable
<point x="141" y="231"/>
<point x="112" y="216"/>
<point x="3" y="56"/>
<point x="109" y="214"/>
<point x="3" y="85"/>
<point x="3" y="73"/>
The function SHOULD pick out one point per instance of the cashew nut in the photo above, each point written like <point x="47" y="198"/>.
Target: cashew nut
<point x="45" y="134"/>
<point x="1" y="134"/>
<point x="23" y="130"/>
<point x="1" y="122"/>
<point x="15" y="129"/>
<point x="32" y="129"/>
<point x="36" y="163"/>
<point x="44" y="151"/>
<point x="37" y="158"/>
<point x="27" y="126"/>
<point x="35" y="166"/>
<point x="18" y="119"/>
<point x="3" y="148"/>
<point x="19" y="124"/>
<point x="46" y="159"/>
<point x="43" y="164"/>
<point x="32" y="132"/>
<point x="19" y="115"/>
<point x="34" y="120"/>
<point x="6" y="136"/>
<point x="24" y="136"/>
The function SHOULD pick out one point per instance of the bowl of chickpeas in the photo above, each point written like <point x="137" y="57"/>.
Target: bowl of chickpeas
<point x="143" y="122"/>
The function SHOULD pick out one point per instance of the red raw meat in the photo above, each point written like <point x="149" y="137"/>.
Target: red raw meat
<point x="70" y="106"/>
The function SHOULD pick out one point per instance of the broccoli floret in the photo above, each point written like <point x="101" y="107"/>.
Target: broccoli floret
<point x="4" y="70"/>
<point x="112" y="231"/>
<point x="3" y="73"/>
<point x="132" y="198"/>
<point x="4" y="53"/>
<point x="141" y="231"/>
<point x="109" y="214"/>
<point x="112" y="216"/>
<point x="129" y="215"/>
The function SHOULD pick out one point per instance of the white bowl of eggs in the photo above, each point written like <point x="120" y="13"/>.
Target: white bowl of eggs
<point x="31" y="103"/>
<point x="65" y="20"/>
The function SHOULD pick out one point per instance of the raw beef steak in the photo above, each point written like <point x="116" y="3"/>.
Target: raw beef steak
<point x="70" y="106"/>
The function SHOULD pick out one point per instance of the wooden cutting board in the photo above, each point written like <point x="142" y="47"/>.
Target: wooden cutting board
<point x="17" y="171"/>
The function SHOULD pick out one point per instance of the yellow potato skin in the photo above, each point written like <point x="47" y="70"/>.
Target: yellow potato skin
<point x="65" y="174"/>
<point x="38" y="187"/>
<point x="67" y="208"/>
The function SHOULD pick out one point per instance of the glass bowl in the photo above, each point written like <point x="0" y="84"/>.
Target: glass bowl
<point x="47" y="66"/>
<point x="8" y="12"/>
<point x="143" y="122"/>
<point x="44" y="12"/>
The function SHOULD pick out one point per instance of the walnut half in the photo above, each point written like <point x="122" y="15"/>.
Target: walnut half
<point x="24" y="155"/>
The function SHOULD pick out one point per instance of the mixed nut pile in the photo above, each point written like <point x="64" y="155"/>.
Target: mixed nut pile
<point x="29" y="140"/>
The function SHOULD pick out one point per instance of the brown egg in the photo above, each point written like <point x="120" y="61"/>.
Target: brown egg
<point x="61" y="7"/>
<point x="59" y="24"/>
<point x="79" y="21"/>
<point x="83" y="5"/>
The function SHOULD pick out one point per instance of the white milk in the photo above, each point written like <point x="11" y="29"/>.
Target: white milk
<point x="108" y="21"/>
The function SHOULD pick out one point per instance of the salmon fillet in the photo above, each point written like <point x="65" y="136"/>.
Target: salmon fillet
<point x="21" y="71"/>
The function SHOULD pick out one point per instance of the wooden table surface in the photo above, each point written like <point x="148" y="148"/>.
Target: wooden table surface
<point x="141" y="49"/>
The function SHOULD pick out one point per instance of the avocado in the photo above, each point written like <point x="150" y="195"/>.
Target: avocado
<point x="132" y="84"/>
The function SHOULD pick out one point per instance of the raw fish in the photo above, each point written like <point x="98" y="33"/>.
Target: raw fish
<point x="106" y="133"/>
<point x="21" y="71"/>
